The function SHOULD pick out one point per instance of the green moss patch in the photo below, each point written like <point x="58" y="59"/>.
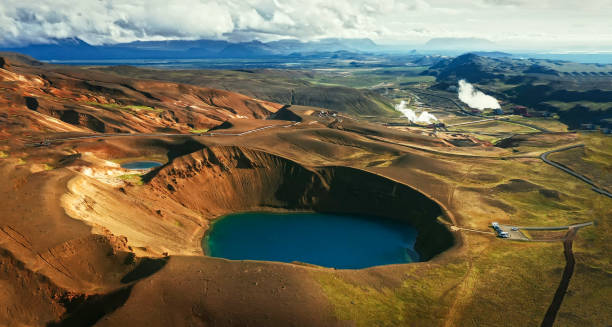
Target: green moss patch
<point x="117" y="106"/>
<point x="417" y="301"/>
<point x="135" y="179"/>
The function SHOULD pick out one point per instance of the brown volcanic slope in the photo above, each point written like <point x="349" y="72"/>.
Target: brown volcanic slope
<point x="90" y="276"/>
<point x="80" y="250"/>
<point x="36" y="97"/>
<point x="82" y="245"/>
<point x="284" y="86"/>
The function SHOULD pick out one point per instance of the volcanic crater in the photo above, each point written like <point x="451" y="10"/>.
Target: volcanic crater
<point x="218" y="180"/>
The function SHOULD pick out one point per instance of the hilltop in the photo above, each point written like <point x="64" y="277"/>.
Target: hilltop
<point x="282" y="86"/>
<point x="40" y="97"/>
<point x="578" y="93"/>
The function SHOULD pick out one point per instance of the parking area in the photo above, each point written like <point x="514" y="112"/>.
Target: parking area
<point x="514" y="232"/>
<point x="509" y="232"/>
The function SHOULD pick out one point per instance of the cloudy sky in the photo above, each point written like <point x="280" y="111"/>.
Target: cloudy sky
<point x="533" y="24"/>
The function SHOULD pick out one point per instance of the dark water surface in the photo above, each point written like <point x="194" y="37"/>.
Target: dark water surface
<point x="141" y="164"/>
<point x="339" y="241"/>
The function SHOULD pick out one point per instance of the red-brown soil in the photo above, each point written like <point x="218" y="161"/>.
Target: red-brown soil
<point x="80" y="246"/>
<point x="168" y="216"/>
<point x="47" y="98"/>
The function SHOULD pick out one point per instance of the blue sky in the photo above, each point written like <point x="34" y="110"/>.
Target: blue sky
<point x="515" y="24"/>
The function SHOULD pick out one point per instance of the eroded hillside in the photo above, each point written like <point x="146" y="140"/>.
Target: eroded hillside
<point x="37" y="97"/>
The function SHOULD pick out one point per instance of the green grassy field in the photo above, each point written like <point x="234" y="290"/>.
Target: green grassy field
<point x="549" y="124"/>
<point x="492" y="281"/>
<point x="308" y="88"/>
<point x="368" y="78"/>
<point x="135" y="179"/>
<point x="588" y="104"/>
<point x="493" y="127"/>
<point x="132" y="108"/>
<point x="593" y="161"/>
<point x="198" y="131"/>
<point x="569" y="67"/>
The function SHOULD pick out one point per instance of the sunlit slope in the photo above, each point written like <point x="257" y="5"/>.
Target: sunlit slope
<point x="282" y="86"/>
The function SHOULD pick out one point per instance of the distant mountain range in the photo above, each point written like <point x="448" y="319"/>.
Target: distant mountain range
<point x="461" y="44"/>
<point x="77" y="49"/>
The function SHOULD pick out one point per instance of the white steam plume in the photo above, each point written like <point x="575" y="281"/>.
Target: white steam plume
<point x="424" y="117"/>
<point x="474" y="98"/>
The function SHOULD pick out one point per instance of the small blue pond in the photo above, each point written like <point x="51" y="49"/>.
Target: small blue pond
<point x="339" y="241"/>
<point x="141" y="165"/>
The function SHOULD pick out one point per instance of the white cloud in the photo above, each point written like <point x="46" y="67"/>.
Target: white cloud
<point x="514" y="21"/>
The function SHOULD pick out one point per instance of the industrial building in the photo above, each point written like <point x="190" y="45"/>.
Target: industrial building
<point x="520" y="110"/>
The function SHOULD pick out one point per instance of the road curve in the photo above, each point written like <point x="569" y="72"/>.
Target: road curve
<point x="544" y="157"/>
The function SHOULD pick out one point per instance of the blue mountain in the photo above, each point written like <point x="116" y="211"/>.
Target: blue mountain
<point x="77" y="49"/>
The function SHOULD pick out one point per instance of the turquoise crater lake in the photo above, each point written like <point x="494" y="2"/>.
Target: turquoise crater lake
<point x="139" y="165"/>
<point x="338" y="241"/>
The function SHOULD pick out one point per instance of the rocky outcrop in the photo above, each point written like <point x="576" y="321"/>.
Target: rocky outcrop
<point x="285" y="114"/>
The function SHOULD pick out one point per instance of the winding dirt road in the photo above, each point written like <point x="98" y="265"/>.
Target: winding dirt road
<point x="107" y="135"/>
<point x="544" y="157"/>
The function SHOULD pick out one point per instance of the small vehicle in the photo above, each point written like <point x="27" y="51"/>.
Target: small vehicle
<point x="504" y="235"/>
<point x="514" y="229"/>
